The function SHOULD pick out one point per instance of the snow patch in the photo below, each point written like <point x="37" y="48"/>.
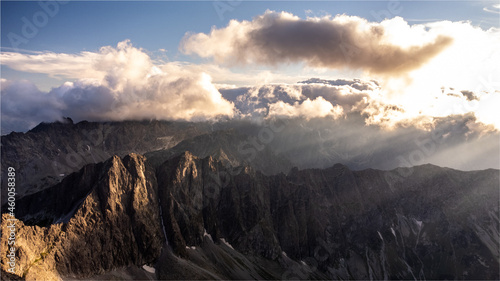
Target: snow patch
<point x="205" y="234"/>
<point x="284" y="254"/>
<point x="393" y="232"/>
<point x="149" y="269"/>
<point x="419" y="223"/>
<point x="192" y="247"/>
<point x="380" y="235"/>
<point x="482" y="261"/>
<point x="227" y="244"/>
<point x="303" y="262"/>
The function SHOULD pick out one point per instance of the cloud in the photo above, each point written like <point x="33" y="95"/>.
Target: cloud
<point x="313" y="98"/>
<point x="57" y="65"/>
<point x="24" y="106"/>
<point x="119" y="83"/>
<point x="327" y="121"/>
<point x="316" y="97"/>
<point x="124" y="82"/>
<point x="340" y="42"/>
<point x="411" y="63"/>
<point x="469" y="95"/>
<point x="316" y="108"/>
<point x="495" y="9"/>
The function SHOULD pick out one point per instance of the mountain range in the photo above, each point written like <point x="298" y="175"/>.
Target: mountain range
<point x="172" y="200"/>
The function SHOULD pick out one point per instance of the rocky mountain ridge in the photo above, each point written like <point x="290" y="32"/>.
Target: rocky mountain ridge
<point x="229" y="147"/>
<point x="43" y="156"/>
<point x="46" y="154"/>
<point x="223" y="222"/>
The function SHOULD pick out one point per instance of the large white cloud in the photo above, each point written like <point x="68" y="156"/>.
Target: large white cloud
<point x="113" y="84"/>
<point x="339" y="42"/>
<point x="417" y="65"/>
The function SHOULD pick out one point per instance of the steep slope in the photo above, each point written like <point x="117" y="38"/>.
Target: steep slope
<point x="204" y="213"/>
<point x="43" y="156"/>
<point x="425" y="222"/>
<point x="110" y="219"/>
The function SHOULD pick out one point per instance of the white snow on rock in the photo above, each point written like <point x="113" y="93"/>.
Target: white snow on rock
<point x="208" y="235"/>
<point x="149" y="269"/>
<point x="393" y="232"/>
<point x="419" y="223"/>
<point x="227" y="244"/>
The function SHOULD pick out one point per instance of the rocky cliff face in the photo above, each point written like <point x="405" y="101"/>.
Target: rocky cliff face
<point x="225" y="222"/>
<point x="104" y="217"/>
<point x="424" y="222"/>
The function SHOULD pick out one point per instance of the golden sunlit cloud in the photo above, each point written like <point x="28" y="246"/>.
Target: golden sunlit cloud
<point x="340" y="42"/>
<point x="411" y="74"/>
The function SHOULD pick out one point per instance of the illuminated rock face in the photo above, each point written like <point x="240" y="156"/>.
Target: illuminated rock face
<point x="424" y="222"/>
<point x="114" y="222"/>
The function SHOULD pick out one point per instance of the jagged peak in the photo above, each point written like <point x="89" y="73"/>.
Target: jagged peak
<point x="182" y="159"/>
<point x="187" y="156"/>
<point x="135" y="157"/>
<point x="131" y="157"/>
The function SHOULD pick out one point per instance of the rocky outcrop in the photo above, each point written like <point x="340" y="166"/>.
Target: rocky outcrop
<point x="114" y="222"/>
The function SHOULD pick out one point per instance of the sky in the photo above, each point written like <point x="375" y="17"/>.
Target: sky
<point x="395" y="64"/>
<point x="160" y="25"/>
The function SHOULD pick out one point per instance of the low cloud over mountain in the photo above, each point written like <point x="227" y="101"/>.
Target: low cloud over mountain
<point x="113" y="84"/>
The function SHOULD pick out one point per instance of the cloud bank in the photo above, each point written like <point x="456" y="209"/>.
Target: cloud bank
<point x="327" y="121"/>
<point x="116" y="83"/>
<point x="419" y="94"/>
<point x="339" y="42"/>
